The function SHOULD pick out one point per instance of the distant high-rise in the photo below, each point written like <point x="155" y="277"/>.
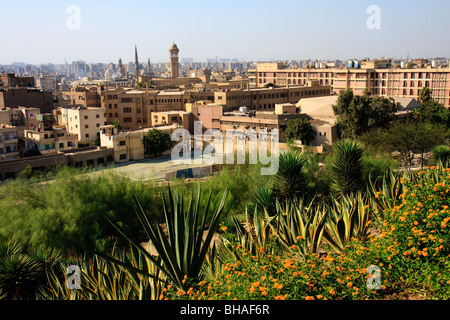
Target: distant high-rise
<point x="174" y="71"/>
<point x="136" y="64"/>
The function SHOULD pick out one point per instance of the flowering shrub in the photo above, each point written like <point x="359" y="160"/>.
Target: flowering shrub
<point x="407" y="254"/>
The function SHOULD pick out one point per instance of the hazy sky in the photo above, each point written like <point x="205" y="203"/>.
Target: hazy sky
<point x="35" y="31"/>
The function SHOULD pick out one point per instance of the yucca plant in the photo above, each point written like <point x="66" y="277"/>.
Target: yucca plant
<point x="183" y="249"/>
<point x="441" y="155"/>
<point x="291" y="180"/>
<point x="297" y="223"/>
<point x="348" y="218"/>
<point x="23" y="272"/>
<point x="347" y="167"/>
<point x="264" y="199"/>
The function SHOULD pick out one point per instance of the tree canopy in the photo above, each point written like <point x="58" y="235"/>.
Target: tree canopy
<point x="156" y="142"/>
<point x="357" y="114"/>
<point x="300" y="129"/>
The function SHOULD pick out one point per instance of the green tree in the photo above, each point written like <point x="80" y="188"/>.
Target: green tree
<point x="357" y="114"/>
<point x="430" y="110"/>
<point x="116" y="124"/>
<point x="156" y="142"/>
<point x="424" y="95"/>
<point x="300" y="129"/>
<point x="409" y="138"/>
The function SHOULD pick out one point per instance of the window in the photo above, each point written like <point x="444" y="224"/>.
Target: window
<point x="97" y="116"/>
<point x="86" y="126"/>
<point x="98" y="125"/>
<point x="122" y="143"/>
<point x="127" y="120"/>
<point x="126" y="110"/>
<point x="123" y="156"/>
<point x="127" y="100"/>
<point x="61" y="145"/>
<point x="87" y="135"/>
<point x="110" y="106"/>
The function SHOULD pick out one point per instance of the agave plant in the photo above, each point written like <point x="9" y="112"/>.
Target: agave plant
<point x="347" y="167"/>
<point x="348" y="218"/>
<point x="253" y="235"/>
<point x="384" y="192"/>
<point x="101" y="279"/>
<point x="297" y="223"/>
<point x="183" y="250"/>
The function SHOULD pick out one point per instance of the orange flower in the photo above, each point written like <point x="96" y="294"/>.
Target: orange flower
<point x="349" y="285"/>
<point x="332" y="292"/>
<point x="224" y="228"/>
<point x="309" y="298"/>
<point x="255" y="284"/>
<point x="252" y="290"/>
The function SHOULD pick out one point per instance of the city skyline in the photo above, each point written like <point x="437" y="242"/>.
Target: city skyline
<point x="246" y="30"/>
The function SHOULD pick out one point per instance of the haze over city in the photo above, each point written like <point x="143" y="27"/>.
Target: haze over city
<point x="245" y="30"/>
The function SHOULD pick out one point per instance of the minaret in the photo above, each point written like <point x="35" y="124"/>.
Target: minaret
<point x="174" y="72"/>
<point x="149" y="67"/>
<point x="136" y="64"/>
<point x="121" y="69"/>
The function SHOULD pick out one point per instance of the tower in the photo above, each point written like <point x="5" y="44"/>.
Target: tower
<point x="149" y="67"/>
<point x="136" y="64"/>
<point x="174" y="72"/>
<point x="121" y="69"/>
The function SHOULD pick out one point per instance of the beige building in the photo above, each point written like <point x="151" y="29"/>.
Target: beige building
<point x="133" y="107"/>
<point x="81" y="96"/>
<point x="8" y="142"/>
<point x="377" y="76"/>
<point x="127" y="146"/>
<point x="82" y="121"/>
<point x="266" y="98"/>
<point x="167" y="118"/>
<point x="21" y="117"/>
<point x="50" y="141"/>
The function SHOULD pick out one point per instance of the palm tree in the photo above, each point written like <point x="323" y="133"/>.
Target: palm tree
<point x="347" y="167"/>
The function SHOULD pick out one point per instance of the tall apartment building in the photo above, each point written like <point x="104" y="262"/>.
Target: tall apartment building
<point x="82" y="121"/>
<point x="379" y="77"/>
